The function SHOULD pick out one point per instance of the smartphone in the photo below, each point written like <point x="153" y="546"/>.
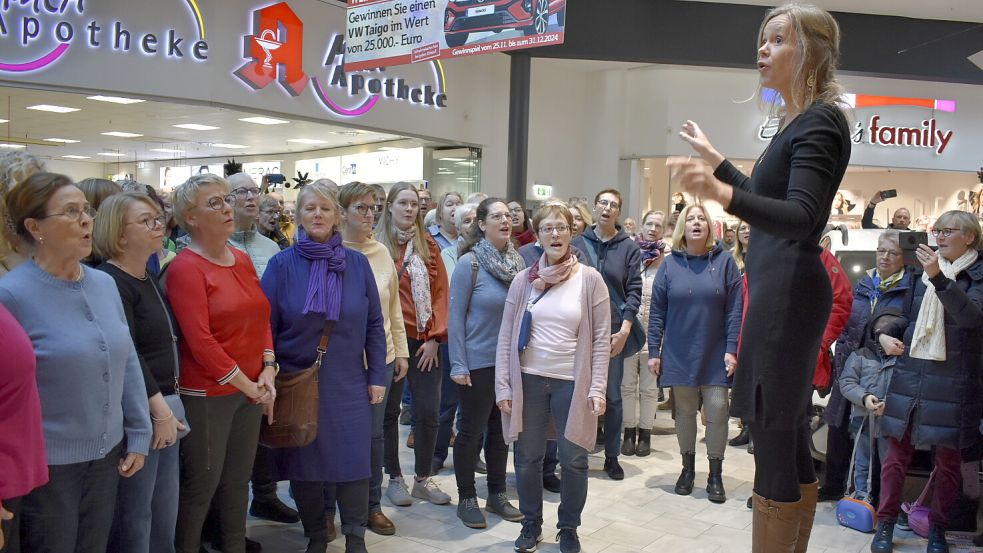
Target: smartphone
<point x="909" y="242"/>
<point x="892" y="193"/>
<point x="276" y="178"/>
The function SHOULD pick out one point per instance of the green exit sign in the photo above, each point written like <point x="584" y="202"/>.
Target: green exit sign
<point x="542" y="191"/>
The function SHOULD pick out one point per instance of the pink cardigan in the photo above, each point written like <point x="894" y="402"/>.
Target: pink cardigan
<point x="590" y="358"/>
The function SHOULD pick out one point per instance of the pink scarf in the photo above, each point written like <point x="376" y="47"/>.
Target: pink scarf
<point x="544" y="276"/>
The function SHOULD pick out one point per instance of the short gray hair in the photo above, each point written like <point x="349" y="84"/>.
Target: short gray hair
<point x="889" y="235"/>
<point x="461" y="212"/>
<point x="964" y="221"/>
<point x="186" y="195"/>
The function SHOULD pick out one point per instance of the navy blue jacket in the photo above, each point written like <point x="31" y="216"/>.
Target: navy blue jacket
<point x="620" y="263"/>
<point x="850" y="340"/>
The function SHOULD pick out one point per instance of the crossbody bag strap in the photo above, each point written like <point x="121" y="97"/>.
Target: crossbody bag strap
<point x="322" y="346"/>
<point x="870" y="471"/>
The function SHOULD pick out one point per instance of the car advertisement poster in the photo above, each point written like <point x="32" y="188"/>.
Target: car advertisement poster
<point x="384" y="33"/>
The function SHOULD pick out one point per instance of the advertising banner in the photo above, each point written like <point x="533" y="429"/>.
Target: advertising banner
<point x="383" y="33"/>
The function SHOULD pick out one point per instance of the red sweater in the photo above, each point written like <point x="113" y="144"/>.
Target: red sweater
<point x="23" y="461"/>
<point x="224" y="318"/>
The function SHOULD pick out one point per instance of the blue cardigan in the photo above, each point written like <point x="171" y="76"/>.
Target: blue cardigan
<point x="89" y="377"/>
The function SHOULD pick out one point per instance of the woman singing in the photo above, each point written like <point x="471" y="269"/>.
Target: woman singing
<point x="787" y="201"/>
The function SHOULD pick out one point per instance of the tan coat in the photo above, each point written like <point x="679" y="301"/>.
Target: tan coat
<point x="590" y="358"/>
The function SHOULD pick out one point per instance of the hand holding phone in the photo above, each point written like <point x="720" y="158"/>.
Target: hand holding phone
<point x="890" y="193"/>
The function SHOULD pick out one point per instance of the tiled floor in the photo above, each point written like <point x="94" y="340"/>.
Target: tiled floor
<point x="640" y="513"/>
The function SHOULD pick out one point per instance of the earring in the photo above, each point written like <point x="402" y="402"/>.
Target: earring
<point x="811" y="81"/>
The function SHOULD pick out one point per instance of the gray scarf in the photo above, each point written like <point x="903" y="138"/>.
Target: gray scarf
<point x="501" y="265"/>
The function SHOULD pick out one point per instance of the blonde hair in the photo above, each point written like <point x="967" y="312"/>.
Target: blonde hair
<point x="97" y="190"/>
<point x="966" y="222"/>
<point x="186" y="195"/>
<point x="585" y="213"/>
<point x="440" y="206"/>
<point x="323" y="191"/>
<point x="817" y="45"/>
<point x="679" y="233"/>
<point x="385" y="231"/>
<point x="110" y="224"/>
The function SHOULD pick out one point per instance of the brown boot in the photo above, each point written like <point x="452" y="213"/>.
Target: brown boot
<point x="807" y="513"/>
<point x="775" y="526"/>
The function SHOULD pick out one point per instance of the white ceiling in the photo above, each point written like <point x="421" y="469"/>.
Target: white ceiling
<point x="154" y="121"/>
<point x="951" y="10"/>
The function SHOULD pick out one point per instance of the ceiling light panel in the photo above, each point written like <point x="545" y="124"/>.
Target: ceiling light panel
<point x="72" y="156"/>
<point x="121" y="134"/>
<point x="311" y="141"/>
<point x="111" y="154"/>
<point x="165" y="150"/>
<point x="196" y="127"/>
<point x="264" y="120"/>
<point x="116" y="99"/>
<point x="4" y="120"/>
<point x="12" y="146"/>
<point x="231" y="146"/>
<point x="53" y="109"/>
<point x="62" y="140"/>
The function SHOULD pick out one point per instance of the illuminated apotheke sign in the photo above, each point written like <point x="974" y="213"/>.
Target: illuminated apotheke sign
<point x="36" y="34"/>
<point x="275" y="53"/>
<point x="876" y="132"/>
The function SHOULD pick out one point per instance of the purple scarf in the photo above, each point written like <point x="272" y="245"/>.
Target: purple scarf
<point x="651" y="251"/>
<point x="324" y="283"/>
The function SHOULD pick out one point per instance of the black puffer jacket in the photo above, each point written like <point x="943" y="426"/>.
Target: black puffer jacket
<point x="941" y="399"/>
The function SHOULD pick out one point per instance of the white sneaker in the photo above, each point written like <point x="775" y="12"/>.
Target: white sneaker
<point x="429" y="491"/>
<point x="397" y="492"/>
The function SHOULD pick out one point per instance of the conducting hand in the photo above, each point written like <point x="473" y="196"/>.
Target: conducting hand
<point x="693" y="135"/>
<point x="696" y="177"/>
<point x="131" y="464"/>
<point x="428" y="356"/>
<point x="655" y="366"/>
<point x="891" y="345"/>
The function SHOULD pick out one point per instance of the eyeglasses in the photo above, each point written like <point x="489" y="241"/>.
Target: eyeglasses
<point x="153" y="223"/>
<point x="363" y="209"/>
<point x="604" y="204"/>
<point x="559" y="229"/>
<point x="881" y="252"/>
<point x="516" y="209"/>
<point x="218" y="203"/>
<point x="499" y="217"/>
<point x="74" y="213"/>
<point x="246" y="192"/>
<point x="945" y="232"/>
<point x="275" y="214"/>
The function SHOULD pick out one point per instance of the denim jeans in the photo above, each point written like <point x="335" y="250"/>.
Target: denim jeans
<point x="426" y="404"/>
<point x="614" y="414"/>
<point x="73" y="512"/>
<point x="542" y="397"/>
<point x="146" y="505"/>
<point x="862" y="463"/>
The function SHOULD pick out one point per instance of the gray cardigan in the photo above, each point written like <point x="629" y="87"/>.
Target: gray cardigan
<point x="89" y="376"/>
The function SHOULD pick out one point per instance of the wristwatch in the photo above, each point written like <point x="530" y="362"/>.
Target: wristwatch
<point x="274" y="364"/>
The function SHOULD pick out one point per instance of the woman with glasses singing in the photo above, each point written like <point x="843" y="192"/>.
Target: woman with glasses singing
<point x="934" y="398"/>
<point x="227" y="363"/>
<point x="557" y="368"/>
<point x="93" y="401"/>
<point x="130" y="228"/>
<point x="269" y="220"/>
<point x="617" y="257"/>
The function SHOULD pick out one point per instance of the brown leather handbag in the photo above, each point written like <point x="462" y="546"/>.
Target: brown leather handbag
<point x="296" y="409"/>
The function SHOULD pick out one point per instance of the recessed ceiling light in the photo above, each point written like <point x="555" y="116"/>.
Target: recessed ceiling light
<point x="451" y="158"/>
<point x="346" y="133"/>
<point x="230" y="146"/>
<point x="61" y="140"/>
<point x="307" y="141"/>
<point x="4" y="120"/>
<point x="53" y="109"/>
<point x="165" y="150"/>
<point x="75" y="157"/>
<point x="121" y="134"/>
<point x="389" y="149"/>
<point x="196" y="127"/>
<point x="464" y="163"/>
<point x="12" y="146"/>
<point x="263" y="120"/>
<point x="111" y="154"/>
<point x="116" y="99"/>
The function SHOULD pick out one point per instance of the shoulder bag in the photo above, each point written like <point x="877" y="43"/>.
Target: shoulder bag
<point x="636" y="336"/>
<point x="918" y="512"/>
<point x="525" y="328"/>
<point x="174" y="400"/>
<point x="296" y="409"/>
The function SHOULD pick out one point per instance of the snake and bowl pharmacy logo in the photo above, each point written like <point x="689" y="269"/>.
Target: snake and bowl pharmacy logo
<point x="36" y="34"/>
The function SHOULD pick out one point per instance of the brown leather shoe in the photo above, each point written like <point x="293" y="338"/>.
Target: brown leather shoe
<point x="380" y="524"/>
<point x="410" y="440"/>
<point x="775" y="526"/>
<point x="332" y="530"/>
<point x="807" y="514"/>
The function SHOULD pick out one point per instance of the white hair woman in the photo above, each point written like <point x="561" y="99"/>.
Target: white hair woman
<point x="227" y="362"/>
<point x="464" y="217"/>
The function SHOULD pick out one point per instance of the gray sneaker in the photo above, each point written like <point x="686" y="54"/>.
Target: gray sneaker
<point x="529" y="537"/>
<point x="397" y="493"/>
<point x="499" y="504"/>
<point x="428" y="490"/>
<point x="470" y="514"/>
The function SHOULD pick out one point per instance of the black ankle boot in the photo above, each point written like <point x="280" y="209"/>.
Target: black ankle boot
<point x="715" y="482"/>
<point x="684" y="486"/>
<point x="628" y="444"/>
<point x="883" y="539"/>
<point x="644" y="446"/>
<point x="740" y="439"/>
<point x="936" y="540"/>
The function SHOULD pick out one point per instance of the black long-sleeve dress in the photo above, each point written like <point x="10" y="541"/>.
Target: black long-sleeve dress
<point x="787" y="202"/>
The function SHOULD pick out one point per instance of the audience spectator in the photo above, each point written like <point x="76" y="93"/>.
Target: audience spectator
<point x="246" y="238"/>
<point x="899" y="221"/>
<point x="268" y="221"/>
<point x="463" y="221"/>
<point x="521" y="229"/>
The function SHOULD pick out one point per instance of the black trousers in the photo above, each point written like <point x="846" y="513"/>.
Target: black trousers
<point x="353" y="502"/>
<point x="264" y="486"/>
<point x="73" y="512"/>
<point x="782" y="461"/>
<point x="480" y="419"/>
<point x="426" y="407"/>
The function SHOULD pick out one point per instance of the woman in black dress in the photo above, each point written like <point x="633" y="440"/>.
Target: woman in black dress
<point x="787" y="201"/>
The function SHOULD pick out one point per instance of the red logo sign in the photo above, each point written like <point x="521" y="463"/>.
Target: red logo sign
<point x="276" y="48"/>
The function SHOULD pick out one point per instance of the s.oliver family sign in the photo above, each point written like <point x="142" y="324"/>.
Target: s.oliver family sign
<point x="36" y="36"/>
<point x="394" y="32"/>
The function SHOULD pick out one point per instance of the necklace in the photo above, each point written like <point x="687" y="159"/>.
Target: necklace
<point x="122" y="268"/>
<point x="78" y="277"/>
